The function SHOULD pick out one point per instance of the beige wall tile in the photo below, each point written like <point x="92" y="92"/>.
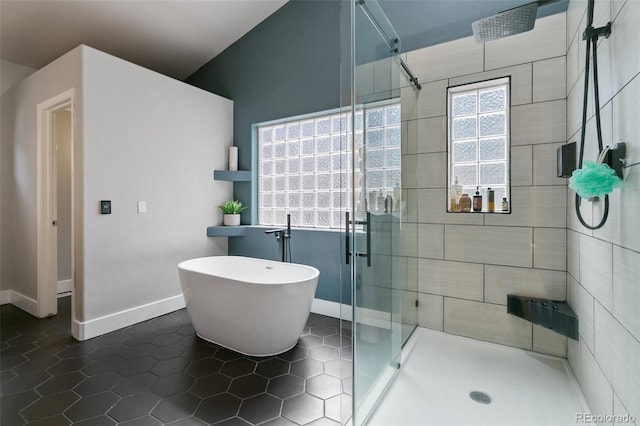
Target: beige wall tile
<point x="625" y="45"/>
<point x="430" y="241"/>
<point x="409" y="103"/>
<point x="520" y="81"/>
<point x="510" y="246"/>
<point x="549" y="79"/>
<point x="499" y="281"/>
<point x="445" y="60"/>
<point x="487" y="322"/>
<point x="432" y="205"/>
<point x="455" y="279"/>
<point x="430" y="311"/>
<point x="573" y="254"/>
<point x="618" y="352"/>
<point x="542" y="206"/>
<point x="411" y="137"/>
<point x="431" y="135"/>
<point x="594" y="384"/>
<point x="573" y="355"/>
<point x="550" y="248"/>
<point x="409" y="172"/>
<point x="582" y="304"/>
<point x="546" y="40"/>
<point x="626" y="126"/>
<point x="596" y="269"/>
<point x="622" y="226"/>
<point x="522" y="165"/>
<point x="432" y="99"/>
<point x="431" y="170"/>
<point x="575" y="11"/>
<point x="626" y="289"/>
<point x="549" y="342"/>
<point x="544" y="165"/>
<point x="542" y="122"/>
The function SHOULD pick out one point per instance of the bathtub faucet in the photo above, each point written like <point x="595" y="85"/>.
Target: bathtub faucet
<point x="283" y="235"/>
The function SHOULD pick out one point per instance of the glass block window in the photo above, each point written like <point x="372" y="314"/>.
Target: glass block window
<point x="478" y="139"/>
<point x="305" y="164"/>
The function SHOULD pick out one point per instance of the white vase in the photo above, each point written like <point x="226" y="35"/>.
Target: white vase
<point x="231" y="219"/>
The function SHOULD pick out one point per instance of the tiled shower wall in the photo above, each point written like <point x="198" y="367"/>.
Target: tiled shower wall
<point x="462" y="266"/>
<point x="468" y="263"/>
<point x="603" y="273"/>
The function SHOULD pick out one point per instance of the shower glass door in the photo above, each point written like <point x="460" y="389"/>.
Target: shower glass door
<point x="373" y="229"/>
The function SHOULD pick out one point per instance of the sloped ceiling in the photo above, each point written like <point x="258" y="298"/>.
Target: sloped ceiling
<point x="173" y="37"/>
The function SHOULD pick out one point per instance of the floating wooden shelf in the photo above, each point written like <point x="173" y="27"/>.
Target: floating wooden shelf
<point x="232" y="175"/>
<point x="226" y="231"/>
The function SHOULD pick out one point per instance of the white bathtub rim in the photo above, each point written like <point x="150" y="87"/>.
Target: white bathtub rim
<point x="315" y="273"/>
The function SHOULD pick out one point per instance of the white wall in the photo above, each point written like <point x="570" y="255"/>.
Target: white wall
<point x="138" y="136"/>
<point x="148" y="138"/>
<point x="603" y="273"/>
<point x="19" y="172"/>
<point x="11" y="73"/>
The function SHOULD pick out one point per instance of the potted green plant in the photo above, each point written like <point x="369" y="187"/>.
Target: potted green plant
<point x="231" y="212"/>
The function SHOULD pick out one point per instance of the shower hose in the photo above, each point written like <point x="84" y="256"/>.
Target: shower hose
<point x="591" y="36"/>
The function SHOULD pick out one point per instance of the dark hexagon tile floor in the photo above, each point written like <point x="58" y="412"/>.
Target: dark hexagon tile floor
<point x="159" y="372"/>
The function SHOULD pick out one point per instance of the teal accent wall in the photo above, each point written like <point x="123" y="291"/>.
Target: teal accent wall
<point x="286" y="66"/>
<point x="290" y="65"/>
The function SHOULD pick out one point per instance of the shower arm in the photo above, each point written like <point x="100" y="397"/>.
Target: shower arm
<point x="591" y="36"/>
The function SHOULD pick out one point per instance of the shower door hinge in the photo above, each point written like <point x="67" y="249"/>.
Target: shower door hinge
<point x="417" y="303"/>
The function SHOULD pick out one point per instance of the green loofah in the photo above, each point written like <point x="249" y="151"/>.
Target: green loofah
<point x="594" y="179"/>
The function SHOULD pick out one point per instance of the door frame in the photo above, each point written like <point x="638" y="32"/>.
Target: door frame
<point x="47" y="266"/>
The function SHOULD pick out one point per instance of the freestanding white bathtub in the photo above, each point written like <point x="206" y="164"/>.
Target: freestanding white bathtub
<point x="253" y="306"/>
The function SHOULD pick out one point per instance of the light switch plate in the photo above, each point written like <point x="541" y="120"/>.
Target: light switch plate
<point x="142" y="206"/>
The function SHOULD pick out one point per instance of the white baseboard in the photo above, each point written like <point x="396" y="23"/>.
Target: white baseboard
<point x="331" y="309"/>
<point x="99" y="326"/>
<point x="19" y="300"/>
<point x="378" y="319"/>
<point x="65" y="286"/>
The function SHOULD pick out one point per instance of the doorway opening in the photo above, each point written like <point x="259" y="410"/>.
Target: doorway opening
<point x="55" y="210"/>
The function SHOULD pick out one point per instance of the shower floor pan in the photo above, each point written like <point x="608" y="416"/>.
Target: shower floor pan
<point x="453" y="380"/>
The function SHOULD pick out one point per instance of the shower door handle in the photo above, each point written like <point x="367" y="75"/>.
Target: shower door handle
<point x="367" y="223"/>
<point x="347" y="239"/>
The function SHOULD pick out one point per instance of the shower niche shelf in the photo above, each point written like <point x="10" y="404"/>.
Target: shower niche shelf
<point x="232" y="175"/>
<point x="226" y="231"/>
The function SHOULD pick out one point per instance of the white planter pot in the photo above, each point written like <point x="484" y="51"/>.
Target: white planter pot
<point x="231" y="219"/>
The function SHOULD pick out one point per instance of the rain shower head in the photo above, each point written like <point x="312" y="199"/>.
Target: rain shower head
<point x="513" y="21"/>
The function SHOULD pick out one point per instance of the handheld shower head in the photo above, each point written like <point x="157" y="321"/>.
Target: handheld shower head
<point x="513" y="21"/>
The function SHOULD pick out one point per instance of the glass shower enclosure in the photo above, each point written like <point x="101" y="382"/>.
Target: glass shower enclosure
<point x="384" y="307"/>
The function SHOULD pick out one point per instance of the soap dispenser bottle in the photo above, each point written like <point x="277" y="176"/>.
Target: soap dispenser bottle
<point x="477" y="200"/>
<point x="456" y="193"/>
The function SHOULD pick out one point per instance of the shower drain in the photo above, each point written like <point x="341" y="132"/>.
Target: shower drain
<point x="480" y="397"/>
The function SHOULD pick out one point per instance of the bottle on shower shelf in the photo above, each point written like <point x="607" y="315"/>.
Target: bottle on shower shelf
<point x="477" y="201"/>
<point x="491" y="200"/>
